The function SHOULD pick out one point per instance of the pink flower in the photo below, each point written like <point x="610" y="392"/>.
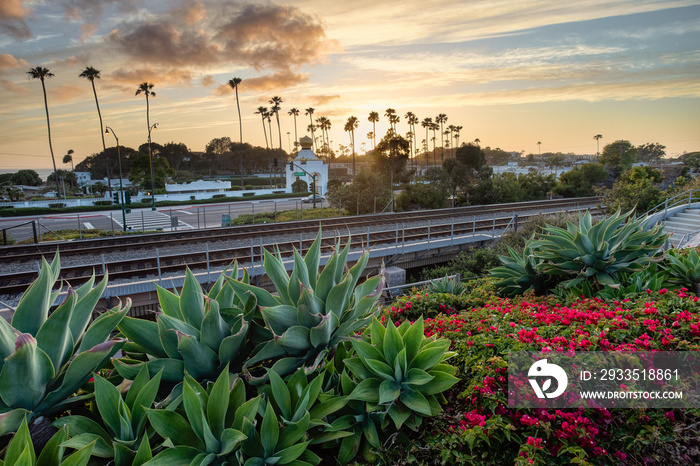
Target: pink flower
<point x="670" y="416"/>
<point x="620" y="455"/>
<point x="512" y="324"/>
<point x="663" y="291"/>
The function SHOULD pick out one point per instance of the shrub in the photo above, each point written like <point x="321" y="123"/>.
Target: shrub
<point x="300" y="186"/>
<point x="57" y="205"/>
<point x="470" y="263"/>
<point x="102" y="203"/>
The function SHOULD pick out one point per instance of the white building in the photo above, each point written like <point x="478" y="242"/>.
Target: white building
<point x="305" y="164"/>
<point x="199" y="186"/>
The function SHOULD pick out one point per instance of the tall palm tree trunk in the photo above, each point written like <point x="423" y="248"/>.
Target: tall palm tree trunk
<point x="150" y="154"/>
<point x="48" y="125"/>
<point x="311" y="122"/>
<point x="240" y="122"/>
<point x="102" y="134"/>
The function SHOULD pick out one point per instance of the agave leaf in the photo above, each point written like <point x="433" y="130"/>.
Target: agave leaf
<point x="367" y="390"/>
<point x="85" y="306"/>
<point x="231" y="345"/>
<point x="264" y="298"/>
<point x="280" y="394"/>
<point x="312" y="259"/>
<point x="173" y="369"/>
<point x="326" y="279"/>
<point x="358" y="369"/>
<point x="21" y="441"/>
<point x="277" y="273"/>
<point x="171" y="425"/>
<point x="279" y="318"/>
<point x="101" y="328"/>
<point x="230" y="438"/>
<point x="144" y="333"/>
<point x="179" y="456"/>
<point x="393" y="343"/>
<point x="389" y="391"/>
<point x="108" y="403"/>
<point x="309" y="307"/>
<point x="194" y="407"/>
<point x="33" y="367"/>
<point x="366" y="351"/>
<point x="192" y="300"/>
<point x="33" y="307"/>
<point x="416" y="402"/>
<point x="339" y="297"/>
<point x="213" y="329"/>
<point x="218" y="403"/>
<point x="79" y="371"/>
<point x="295" y="339"/>
<point x="169" y="303"/>
<point x="200" y="361"/>
<point x="269" y="431"/>
<point x="168" y="330"/>
<point x="320" y="335"/>
<point x="101" y="449"/>
<point x="77" y="425"/>
<point x="441" y="381"/>
<point x="55" y="337"/>
<point x="145" y="398"/>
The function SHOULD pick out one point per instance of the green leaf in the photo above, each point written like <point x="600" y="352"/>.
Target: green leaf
<point x="21" y="441"/>
<point x="263" y="296"/>
<point x="178" y="456"/>
<point x="290" y="454"/>
<point x="214" y="329"/>
<point x="169" y="303"/>
<point x="367" y="390"/>
<point x="295" y="339"/>
<point x="11" y="420"/>
<point x="413" y="338"/>
<point x="81" y="457"/>
<point x="416" y="402"/>
<point x="276" y="272"/>
<point x="200" y="361"/>
<point x="293" y="433"/>
<point x="269" y="431"/>
<point x="230" y="439"/>
<point x="108" y="399"/>
<point x="389" y="391"/>
<point x="171" y="425"/>
<point x="144" y="453"/>
<point x="77" y="425"/>
<point x="102" y="327"/>
<point x="33" y="307"/>
<point x="279" y="318"/>
<point x="357" y="368"/>
<point x="144" y="333"/>
<point x="441" y="382"/>
<point x="418" y="377"/>
<point x="393" y="343"/>
<point x="370" y="432"/>
<point x="218" y="403"/>
<point x="280" y="394"/>
<point x="194" y="406"/>
<point x="313" y="259"/>
<point x="380" y="368"/>
<point x="168" y="330"/>
<point x="144" y="399"/>
<point x="339" y="297"/>
<point x="54" y="337"/>
<point x="87" y="300"/>
<point x="427" y="358"/>
<point x="25" y="374"/>
<point x="52" y="452"/>
<point x="366" y="351"/>
<point x="399" y="416"/>
<point x="100" y="448"/>
<point x="320" y="335"/>
<point x="173" y="369"/>
<point x="326" y="408"/>
<point x="231" y="345"/>
<point x="192" y="300"/>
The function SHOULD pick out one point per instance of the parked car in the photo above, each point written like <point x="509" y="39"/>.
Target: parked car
<point x="310" y="199"/>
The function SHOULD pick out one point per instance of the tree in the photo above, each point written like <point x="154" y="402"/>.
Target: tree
<point x="350" y="126"/>
<point x="68" y="158"/>
<point x="42" y="74"/>
<point x="618" y="156"/>
<point x="66" y="178"/>
<point x="373" y="118"/>
<point x="295" y="113"/>
<point x="139" y="173"/>
<point x="441" y="119"/>
<point x="233" y="83"/>
<point x="391" y="156"/>
<point x="650" y="152"/>
<point x="367" y="190"/>
<point x="217" y="149"/>
<point x="597" y="138"/>
<point x="412" y="121"/>
<point x="91" y="74"/>
<point x="636" y="188"/>
<point x="175" y="153"/>
<point x="147" y="89"/>
<point x="581" y="181"/>
<point x="22" y="177"/>
<point x="427" y="123"/>
<point x="393" y="118"/>
<point x="262" y="111"/>
<point x="310" y="112"/>
<point x="422" y="196"/>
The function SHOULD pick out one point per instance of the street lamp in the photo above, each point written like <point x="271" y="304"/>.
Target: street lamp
<point x="150" y="160"/>
<point x="121" y="187"/>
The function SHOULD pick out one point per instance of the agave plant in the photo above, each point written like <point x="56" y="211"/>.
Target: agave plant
<point x="519" y="273"/>
<point x="448" y="285"/>
<point x="45" y="359"/>
<point x="122" y="438"/>
<point x="267" y="444"/>
<point x="195" y="332"/>
<point x="598" y="252"/>
<point x="401" y="372"/>
<point x="638" y="282"/>
<point x="210" y="431"/>
<point x="312" y="312"/>
<point x="20" y="451"/>
<point x="683" y="267"/>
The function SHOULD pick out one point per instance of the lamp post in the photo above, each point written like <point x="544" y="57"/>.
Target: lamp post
<point x="121" y="187"/>
<point x="150" y="160"/>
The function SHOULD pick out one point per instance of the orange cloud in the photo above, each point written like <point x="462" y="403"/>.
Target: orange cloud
<point x="208" y="80"/>
<point x="8" y="61"/>
<point x="12" y="15"/>
<point x="280" y="80"/>
<point x="129" y="79"/>
<point x="322" y="99"/>
<point x="87" y="30"/>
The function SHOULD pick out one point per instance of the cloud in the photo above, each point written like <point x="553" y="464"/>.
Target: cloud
<point x="12" y="19"/>
<point x="208" y="80"/>
<point x="13" y="88"/>
<point x="322" y="99"/>
<point x="276" y="81"/>
<point x="130" y="79"/>
<point x="191" y="14"/>
<point x="65" y="92"/>
<point x="165" y="43"/>
<point x="275" y="36"/>
<point x="87" y="30"/>
<point x="8" y="61"/>
<point x="93" y="11"/>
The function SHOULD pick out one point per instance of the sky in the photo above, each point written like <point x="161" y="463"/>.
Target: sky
<point x="512" y="73"/>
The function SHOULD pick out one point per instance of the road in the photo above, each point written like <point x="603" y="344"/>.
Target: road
<point x="188" y="217"/>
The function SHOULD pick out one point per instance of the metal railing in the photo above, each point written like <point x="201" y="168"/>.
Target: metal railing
<point x="685" y="197"/>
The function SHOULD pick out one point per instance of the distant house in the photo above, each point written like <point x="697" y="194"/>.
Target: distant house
<point x="83" y="178"/>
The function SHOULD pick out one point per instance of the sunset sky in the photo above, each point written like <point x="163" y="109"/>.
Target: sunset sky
<point x="511" y="72"/>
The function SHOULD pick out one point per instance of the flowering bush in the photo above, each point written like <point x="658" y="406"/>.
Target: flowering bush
<point x="477" y="426"/>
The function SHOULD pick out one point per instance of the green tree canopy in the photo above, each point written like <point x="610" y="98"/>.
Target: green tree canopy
<point x="140" y="172"/>
<point x="362" y="192"/>
<point x="22" y="177"/>
<point x="581" y="181"/>
<point x="650" y="152"/>
<point x="637" y="189"/>
<point x="618" y="156"/>
<point x="391" y="155"/>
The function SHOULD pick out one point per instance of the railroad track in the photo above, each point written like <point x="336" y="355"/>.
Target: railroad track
<point x="213" y="258"/>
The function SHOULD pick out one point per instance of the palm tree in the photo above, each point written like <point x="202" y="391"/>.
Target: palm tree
<point x="262" y="111"/>
<point x="68" y="158"/>
<point x="597" y="138"/>
<point x="91" y="74"/>
<point x="324" y="124"/>
<point x="539" y="147"/>
<point x="441" y="118"/>
<point x="427" y="123"/>
<point x="310" y="112"/>
<point x="476" y="141"/>
<point x="412" y="121"/>
<point x="295" y="113"/>
<point x="434" y="127"/>
<point x="390" y="113"/>
<point x="374" y="118"/>
<point x="451" y="130"/>
<point x="275" y="102"/>
<point x="457" y="130"/>
<point x="234" y="82"/>
<point x="146" y="88"/>
<point x="350" y="126"/>
<point x="43" y="73"/>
